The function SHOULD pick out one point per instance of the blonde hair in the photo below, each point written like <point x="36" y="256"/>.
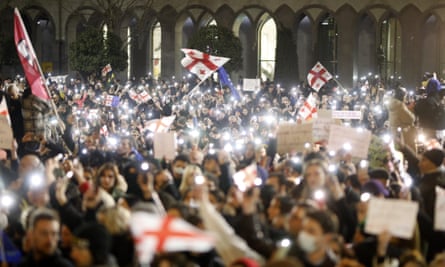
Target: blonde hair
<point x="188" y="178"/>
<point x="115" y="219"/>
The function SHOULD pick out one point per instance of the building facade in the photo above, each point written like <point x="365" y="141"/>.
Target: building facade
<point x="394" y="39"/>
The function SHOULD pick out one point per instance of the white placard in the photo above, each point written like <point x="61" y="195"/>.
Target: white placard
<point x="164" y="145"/>
<point x="439" y="210"/>
<point x="396" y="216"/>
<point x="356" y="141"/>
<point x="293" y="137"/>
<point x="251" y="84"/>
<point x="347" y="114"/>
<point x="6" y="135"/>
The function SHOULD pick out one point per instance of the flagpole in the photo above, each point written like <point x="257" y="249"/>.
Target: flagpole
<point x="53" y="105"/>
<point x="339" y="83"/>
<point x="197" y="86"/>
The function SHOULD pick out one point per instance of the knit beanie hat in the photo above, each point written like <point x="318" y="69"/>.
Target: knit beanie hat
<point x="435" y="156"/>
<point x="98" y="241"/>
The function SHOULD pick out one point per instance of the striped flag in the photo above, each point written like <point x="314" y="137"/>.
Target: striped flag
<point x="153" y="233"/>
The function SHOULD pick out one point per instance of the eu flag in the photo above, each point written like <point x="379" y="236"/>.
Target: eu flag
<point x="225" y="81"/>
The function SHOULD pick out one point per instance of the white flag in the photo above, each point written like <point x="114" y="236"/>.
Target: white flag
<point x="318" y="76"/>
<point x="160" y="125"/>
<point x="153" y="233"/>
<point x="201" y="64"/>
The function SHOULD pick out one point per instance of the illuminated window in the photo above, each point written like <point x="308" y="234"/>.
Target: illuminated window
<point x="129" y="52"/>
<point x="156" y="49"/>
<point x="267" y="45"/>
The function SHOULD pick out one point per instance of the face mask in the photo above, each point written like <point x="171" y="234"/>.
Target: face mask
<point x="307" y="242"/>
<point x="178" y="170"/>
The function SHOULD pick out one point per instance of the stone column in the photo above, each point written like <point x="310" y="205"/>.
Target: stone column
<point x="410" y="20"/>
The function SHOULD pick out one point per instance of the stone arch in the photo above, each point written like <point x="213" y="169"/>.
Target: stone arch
<point x="431" y="44"/>
<point x="267" y="59"/>
<point x="304" y="27"/>
<point x="245" y="30"/>
<point x="185" y="28"/>
<point x="367" y="46"/>
<point x="326" y="45"/>
<point x="225" y="16"/>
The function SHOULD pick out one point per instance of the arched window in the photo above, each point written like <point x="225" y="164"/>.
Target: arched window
<point x="267" y="45"/>
<point x="327" y="43"/>
<point x="390" y="49"/>
<point x="156" y="49"/>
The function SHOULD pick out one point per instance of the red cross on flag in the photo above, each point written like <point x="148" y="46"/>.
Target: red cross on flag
<point x="160" y="125"/>
<point x="309" y="108"/>
<point x="201" y="64"/>
<point x="106" y="70"/>
<point x="153" y="233"/>
<point x="27" y="56"/>
<point x="4" y="110"/>
<point x="318" y="76"/>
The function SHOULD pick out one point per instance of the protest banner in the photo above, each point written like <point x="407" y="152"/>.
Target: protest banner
<point x="164" y="145"/>
<point x="251" y="84"/>
<point x="396" y="216"/>
<point x="347" y="114"/>
<point x="6" y="136"/>
<point x="355" y="141"/>
<point x="293" y="137"/>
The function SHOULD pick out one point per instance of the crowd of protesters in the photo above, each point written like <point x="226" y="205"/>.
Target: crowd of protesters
<point x="71" y="181"/>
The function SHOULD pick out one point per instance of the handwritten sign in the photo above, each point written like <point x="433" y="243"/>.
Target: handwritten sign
<point x="398" y="217"/>
<point x="164" y="145"/>
<point x="356" y="141"/>
<point x="251" y="84"/>
<point x="322" y="125"/>
<point x="347" y="114"/>
<point x="293" y="137"/>
<point x="439" y="210"/>
<point x="6" y="136"/>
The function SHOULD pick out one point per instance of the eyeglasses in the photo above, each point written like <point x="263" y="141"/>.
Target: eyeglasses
<point x="81" y="243"/>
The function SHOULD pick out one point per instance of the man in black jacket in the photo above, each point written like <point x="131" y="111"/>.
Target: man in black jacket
<point x="44" y="236"/>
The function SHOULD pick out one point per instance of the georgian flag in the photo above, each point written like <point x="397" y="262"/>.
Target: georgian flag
<point x="111" y="101"/>
<point x="318" y="76"/>
<point x="28" y="58"/>
<point x="153" y="233"/>
<point x="309" y="108"/>
<point x="201" y="64"/>
<point x="106" y="70"/>
<point x="159" y="125"/>
<point x="142" y="97"/>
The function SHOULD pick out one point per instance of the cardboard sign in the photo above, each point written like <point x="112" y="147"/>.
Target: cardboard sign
<point x="164" y="145"/>
<point x="396" y="216"/>
<point x="293" y="137"/>
<point x="347" y="114"/>
<point x="356" y="141"/>
<point x="439" y="210"/>
<point x="322" y="125"/>
<point x="251" y="84"/>
<point x="6" y="136"/>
